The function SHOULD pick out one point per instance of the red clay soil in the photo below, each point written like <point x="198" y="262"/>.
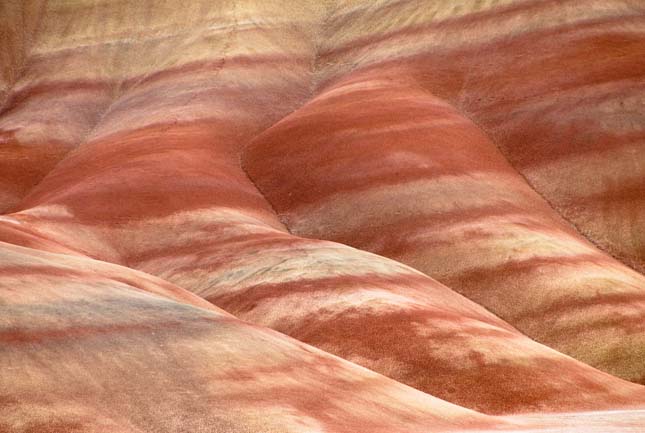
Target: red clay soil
<point x="339" y="216"/>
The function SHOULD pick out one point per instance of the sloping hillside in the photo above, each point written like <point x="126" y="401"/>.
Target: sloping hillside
<point x="307" y="216"/>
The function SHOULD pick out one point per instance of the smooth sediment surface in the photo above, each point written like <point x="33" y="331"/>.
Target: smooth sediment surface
<point x="338" y="216"/>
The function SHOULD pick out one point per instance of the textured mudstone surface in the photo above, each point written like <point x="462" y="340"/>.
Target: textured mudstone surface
<point x="322" y="216"/>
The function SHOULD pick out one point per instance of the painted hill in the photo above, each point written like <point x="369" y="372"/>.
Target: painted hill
<point x="340" y="216"/>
